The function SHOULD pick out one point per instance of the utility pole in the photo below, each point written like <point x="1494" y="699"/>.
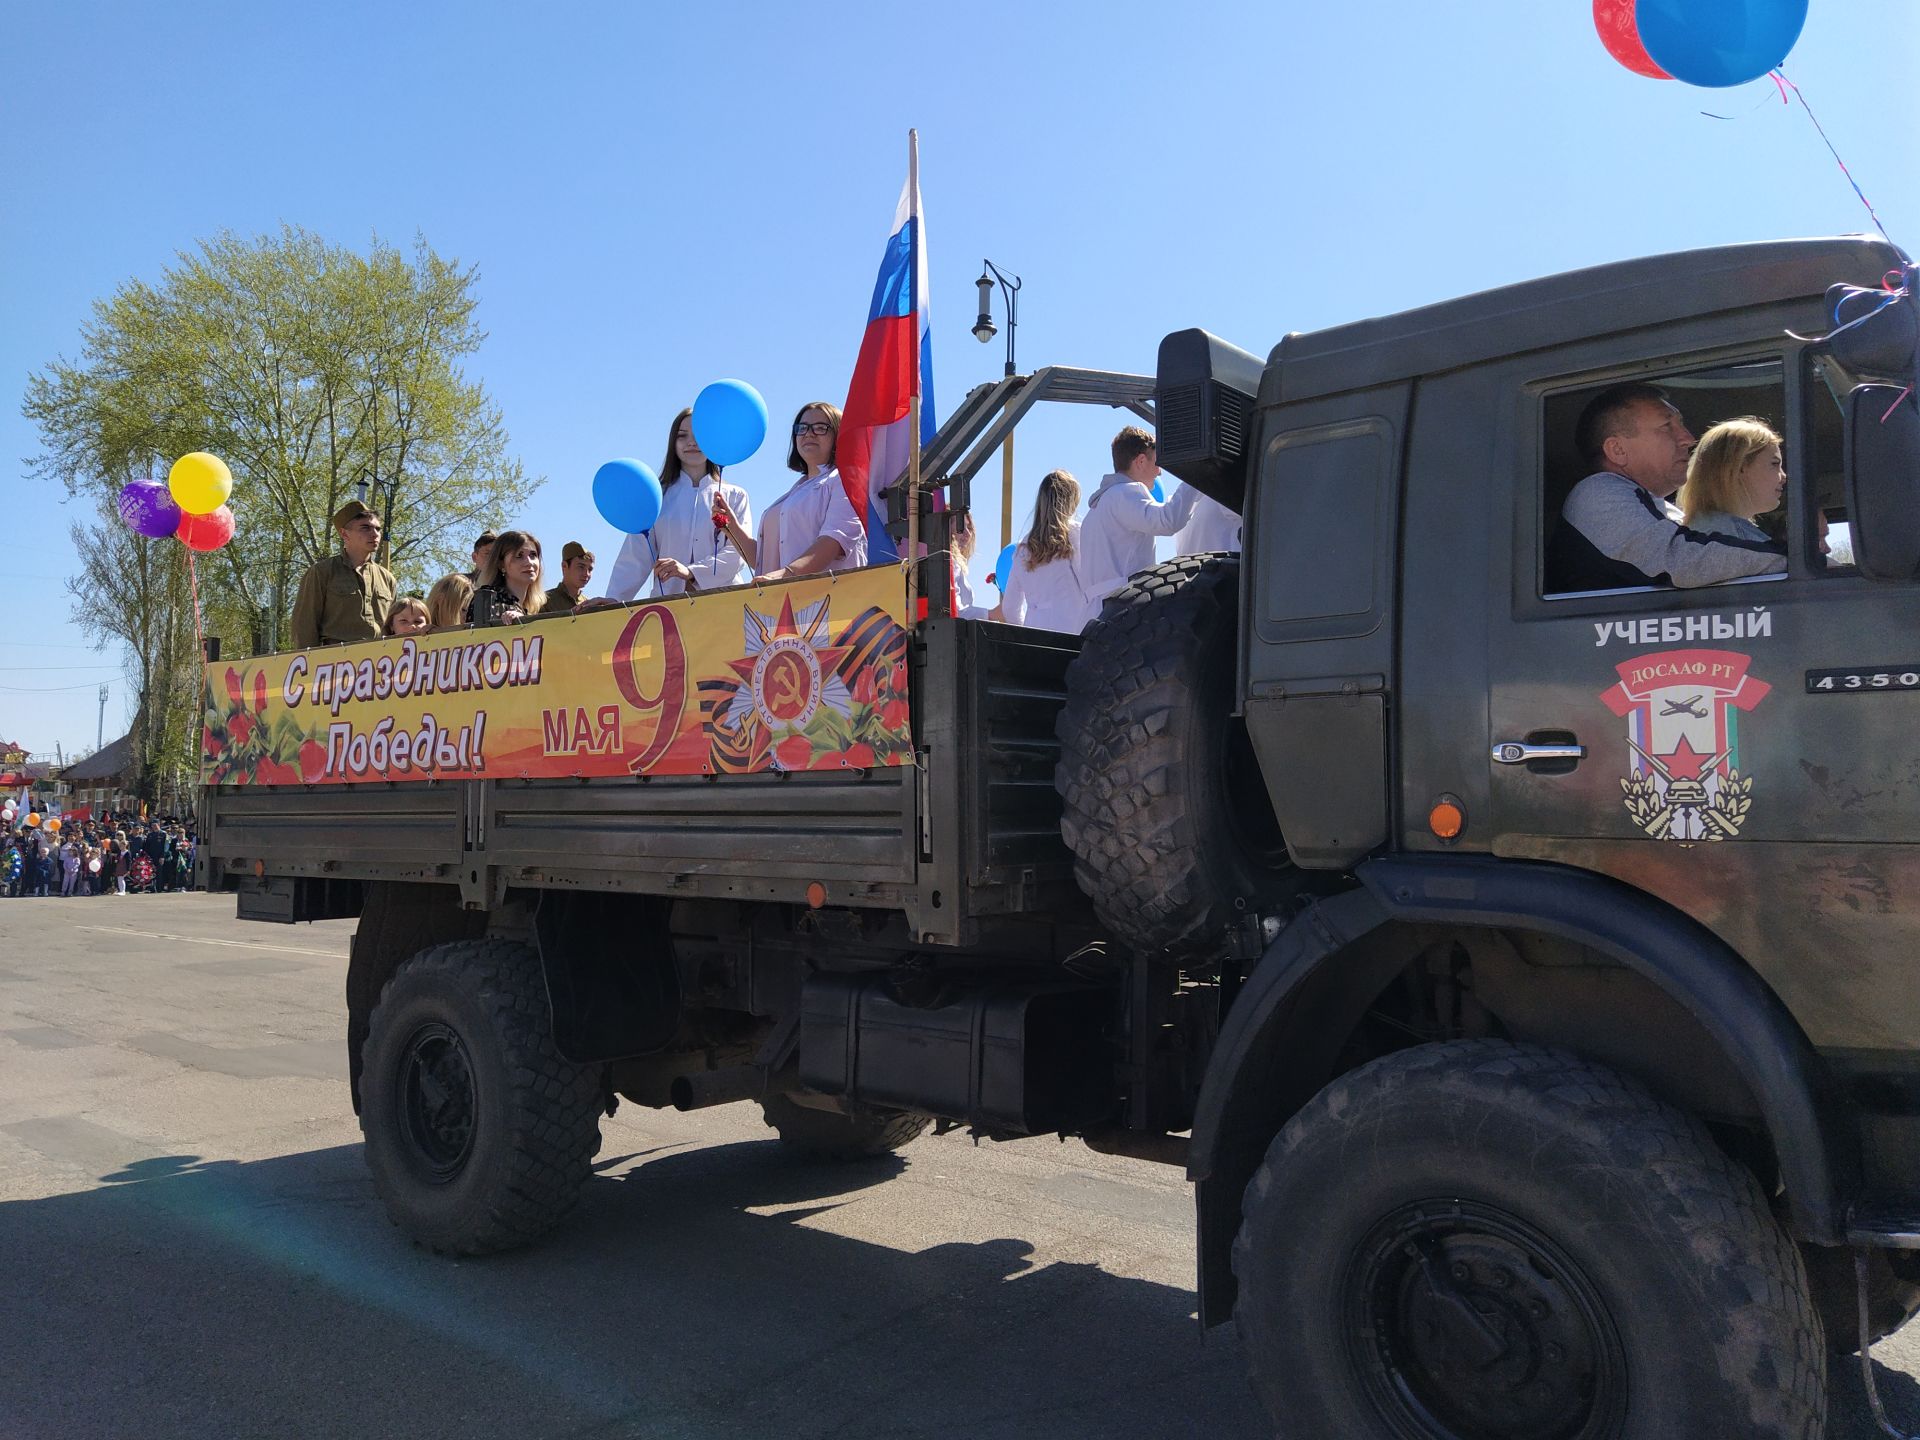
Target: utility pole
<point x="100" y="729"/>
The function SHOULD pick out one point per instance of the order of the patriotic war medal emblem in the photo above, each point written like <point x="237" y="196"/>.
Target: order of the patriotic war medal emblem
<point x="1683" y="709"/>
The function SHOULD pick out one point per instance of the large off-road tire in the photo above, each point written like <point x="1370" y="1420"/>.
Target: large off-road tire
<point x="1893" y="1294"/>
<point x="479" y="1134"/>
<point x="1487" y="1241"/>
<point x="1164" y="808"/>
<point x="828" y="1135"/>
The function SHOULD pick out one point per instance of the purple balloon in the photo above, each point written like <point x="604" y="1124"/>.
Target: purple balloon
<point x="149" y="510"/>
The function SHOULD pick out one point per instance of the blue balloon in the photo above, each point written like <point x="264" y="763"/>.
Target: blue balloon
<point x="729" y="421"/>
<point x="1159" y="495"/>
<point x="1717" y="43"/>
<point x="1002" y="568"/>
<point x="627" y="495"/>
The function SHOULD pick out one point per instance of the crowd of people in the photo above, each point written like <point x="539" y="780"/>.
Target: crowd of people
<point x="705" y="538"/>
<point x="106" y="854"/>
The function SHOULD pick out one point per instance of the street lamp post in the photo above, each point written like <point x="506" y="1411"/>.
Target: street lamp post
<point x="983" y="331"/>
<point x="384" y="555"/>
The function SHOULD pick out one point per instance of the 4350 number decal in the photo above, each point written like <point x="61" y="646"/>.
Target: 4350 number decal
<point x="1860" y="681"/>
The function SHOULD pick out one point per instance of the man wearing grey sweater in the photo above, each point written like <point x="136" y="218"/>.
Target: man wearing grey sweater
<point x="1617" y="529"/>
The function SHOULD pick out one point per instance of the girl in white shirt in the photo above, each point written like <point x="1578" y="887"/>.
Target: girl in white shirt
<point x="1044" y="590"/>
<point x="686" y="549"/>
<point x="812" y="528"/>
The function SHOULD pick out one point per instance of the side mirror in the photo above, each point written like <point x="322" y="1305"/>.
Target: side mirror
<point x="1883" y="480"/>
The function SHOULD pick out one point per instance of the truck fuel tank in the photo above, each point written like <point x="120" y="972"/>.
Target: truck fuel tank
<point x="1016" y="1059"/>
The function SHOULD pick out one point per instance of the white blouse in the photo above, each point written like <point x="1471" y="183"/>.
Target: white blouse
<point x="964" y="604"/>
<point x="814" y="506"/>
<point x="1050" y="596"/>
<point x="685" y="532"/>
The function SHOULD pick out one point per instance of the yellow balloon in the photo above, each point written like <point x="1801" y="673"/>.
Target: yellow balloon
<point x="200" y="483"/>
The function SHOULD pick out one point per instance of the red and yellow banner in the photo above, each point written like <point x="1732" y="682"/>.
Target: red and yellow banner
<point x="805" y="675"/>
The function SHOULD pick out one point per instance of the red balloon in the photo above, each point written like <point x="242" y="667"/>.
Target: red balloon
<point x="206" y="532"/>
<point x="1620" y="33"/>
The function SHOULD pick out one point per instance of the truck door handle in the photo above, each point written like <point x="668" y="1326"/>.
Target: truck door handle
<point x="1517" y="752"/>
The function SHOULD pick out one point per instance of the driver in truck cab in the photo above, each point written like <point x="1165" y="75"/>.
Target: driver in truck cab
<point x="1617" y="528"/>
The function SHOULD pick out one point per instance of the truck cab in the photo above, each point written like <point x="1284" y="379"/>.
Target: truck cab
<point x="1668" y="831"/>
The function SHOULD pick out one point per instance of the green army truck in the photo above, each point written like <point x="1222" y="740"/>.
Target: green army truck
<point x="1525" y="976"/>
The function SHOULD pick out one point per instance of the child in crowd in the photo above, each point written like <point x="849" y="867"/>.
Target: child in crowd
<point x="409" y="616"/>
<point x="447" y="602"/>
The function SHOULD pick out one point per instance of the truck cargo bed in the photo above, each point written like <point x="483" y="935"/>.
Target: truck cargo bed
<point x="971" y="830"/>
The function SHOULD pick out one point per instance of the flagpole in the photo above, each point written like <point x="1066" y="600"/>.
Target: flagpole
<point x="913" y="408"/>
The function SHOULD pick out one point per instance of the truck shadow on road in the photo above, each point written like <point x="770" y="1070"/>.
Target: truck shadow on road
<point x="697" y="1296"/>
<point x="694" y="1297"/>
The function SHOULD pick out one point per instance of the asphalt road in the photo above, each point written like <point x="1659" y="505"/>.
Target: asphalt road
<point x="190" y="1246"/>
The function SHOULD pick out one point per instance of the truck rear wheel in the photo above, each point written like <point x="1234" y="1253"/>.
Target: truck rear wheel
<point x="479" y="1134"/>
<point x="1479" y="1239"/>
<point x="829" y="1135"/>
<point x="1164" y="807"/>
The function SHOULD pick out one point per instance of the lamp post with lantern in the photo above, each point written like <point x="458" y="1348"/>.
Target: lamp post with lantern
<point x="983" y="331"/>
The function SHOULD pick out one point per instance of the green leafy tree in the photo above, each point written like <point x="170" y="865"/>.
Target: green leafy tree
<point x="311" y="369"/>
<point x="139" y="592"/>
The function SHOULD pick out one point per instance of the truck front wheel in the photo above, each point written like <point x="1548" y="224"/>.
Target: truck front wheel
<point x="1163" y="803"/>
<point x="1480" y="1239"/>
<point x="479" y="1134"/>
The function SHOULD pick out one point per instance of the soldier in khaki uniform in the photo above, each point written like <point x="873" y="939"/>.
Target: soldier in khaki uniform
<point x="576" y="570"/>
<point x="345" y="596"/>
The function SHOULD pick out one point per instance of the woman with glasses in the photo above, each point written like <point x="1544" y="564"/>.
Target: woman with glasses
<point x="812" y="528"/>
<point x="703" y="538"/>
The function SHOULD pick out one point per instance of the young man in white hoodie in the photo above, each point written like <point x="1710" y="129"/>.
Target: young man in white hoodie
<point x="1116" y="538"/>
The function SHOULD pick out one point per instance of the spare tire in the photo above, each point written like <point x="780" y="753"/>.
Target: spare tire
<point x="1173" y="836"/>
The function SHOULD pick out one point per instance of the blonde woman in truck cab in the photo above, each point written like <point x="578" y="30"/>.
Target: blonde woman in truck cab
<point x="1736" y="473"/>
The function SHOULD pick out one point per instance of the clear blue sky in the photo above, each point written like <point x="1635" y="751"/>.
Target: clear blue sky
<point x="660" y="195"/>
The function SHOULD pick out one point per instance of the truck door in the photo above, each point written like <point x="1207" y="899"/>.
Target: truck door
<point x="1743" y="750"/>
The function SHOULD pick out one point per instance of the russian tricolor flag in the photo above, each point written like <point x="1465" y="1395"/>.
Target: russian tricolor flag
<point x="895" y="364"/>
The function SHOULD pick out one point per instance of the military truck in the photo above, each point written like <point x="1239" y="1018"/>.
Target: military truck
<point x="1524" y="977"/>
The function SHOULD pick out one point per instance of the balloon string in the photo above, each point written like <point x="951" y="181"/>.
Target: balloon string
<point x="193" y="577"/>
<point x="1780" y="79"/>
<point x="1762" y="101"/>
<point x="1896" y="404"/>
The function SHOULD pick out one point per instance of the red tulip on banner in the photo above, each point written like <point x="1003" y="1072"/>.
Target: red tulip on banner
<point x="206" y="532"/>
<point x="1620" y="33"/>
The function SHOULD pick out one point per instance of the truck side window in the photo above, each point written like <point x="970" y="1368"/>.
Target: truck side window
<point x="1321" y="538"/>
<point x="1704" y="397"/>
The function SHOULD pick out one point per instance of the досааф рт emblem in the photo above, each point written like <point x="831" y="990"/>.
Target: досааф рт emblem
<point x="1682" y="710"/>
